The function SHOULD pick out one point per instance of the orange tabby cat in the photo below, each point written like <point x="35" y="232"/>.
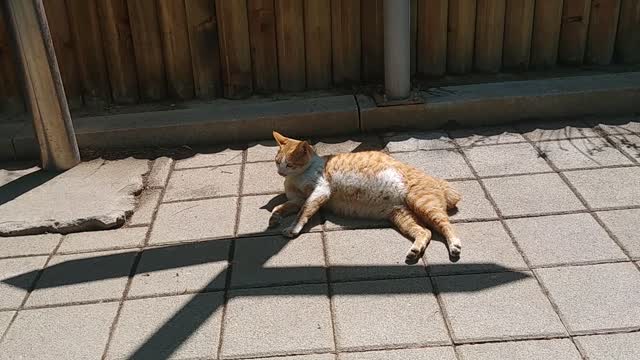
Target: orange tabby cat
<point x="368" y="184"/>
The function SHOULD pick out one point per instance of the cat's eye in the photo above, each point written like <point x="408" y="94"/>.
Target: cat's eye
<point x="289" y="166"/>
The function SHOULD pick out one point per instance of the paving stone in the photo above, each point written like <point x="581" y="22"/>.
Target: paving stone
<point x="556" y="130"/>
<point x="532" y="194"/>
<point x="554" y="349"/>
<point x="83" y="277"/>
<point x="212" y="158"/>
<point x="277" y="260"/>
<point x="5" y="318"/>
<point x="302" y="357"/>
<point x="194" y="220"/>
<point x="342" y="145"/>
<point x="175" y="327"/>
<point x="16" y="278"/>
<point x="625" y="225"/>
<point x="620" y="126"/>
<point x="443" y="164"/>
<point x="255" y="212"/>
<point x="9" y="175"/>
<point x="338" y="222"/>
<point x="433" y="353"/>
<point x="103" y="240"/>
<point x="262" y="151"/>
<point x="474" y="204"/>
<point x="486" y="136"/>
<point x="497" y="306"/>
<point x="608" y="187"/>
<point x="277" y="321"/>
<point x="563" y="239"/>
<point x="582" y="153"/>
<point x="629" y="144"/>
<point x="486" y="247"/>
<point x="387" y="313"/>
<point x="262" y="178"/>
<point x="418" y="141"/>
<point x="70" y="332"/>
<point x="611" y="347"/>
<point x="203" y="182"/>
<point x="180" y="268"/>
<point x="159" y="172"/>
<point x="506" y="159"/>
<point x="369" y="254"/>
<point x="28" y="245"/>
<point x="595" y="297"/>
<point x="147" y="203"/>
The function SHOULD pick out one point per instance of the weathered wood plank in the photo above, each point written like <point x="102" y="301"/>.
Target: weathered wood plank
<point x="345" y="30"/>
<point x="573" y="33"/>
<point x="264" y="48"/>
<point x="432" y="37"/>
<point x="11" y="100"/>
<point x="414" y="37"/>
<point x="317" y="22"/>
<point x="235" y="53"/>
<point x="205" y="50"/>
<point x="373" y="41"/>
<point x="628" y="41"/>
<point x="518" y="27"/>
<point x="489" y="35"/>
<point x="290" y="35"/>
<point x="546" y="33"/>
<point x="177" y="55"/>
<point x="460" y="40"/>
<point x="118" y="49"/>
<point x="147" y="44"/>
<point x="603" y="25"/>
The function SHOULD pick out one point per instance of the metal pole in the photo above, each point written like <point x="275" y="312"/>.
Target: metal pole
<point x="397" y="48"/>
<point x="43" y="84"/>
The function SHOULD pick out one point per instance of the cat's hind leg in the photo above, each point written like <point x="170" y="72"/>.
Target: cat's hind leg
<point x="409" y="225"/>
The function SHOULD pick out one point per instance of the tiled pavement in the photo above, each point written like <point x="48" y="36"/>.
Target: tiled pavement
<point x="550" y="219"/>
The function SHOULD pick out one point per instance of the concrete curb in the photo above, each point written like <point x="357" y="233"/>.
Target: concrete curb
<point x="467" y="105"/>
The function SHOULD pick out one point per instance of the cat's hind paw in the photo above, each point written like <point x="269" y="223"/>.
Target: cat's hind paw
<point x="414" y="254"/>
<point x="454" y="249"/>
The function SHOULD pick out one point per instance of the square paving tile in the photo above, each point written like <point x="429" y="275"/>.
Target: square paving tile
<point x="621" y="126"/>
<point x="5" y="318"/>
<point x="369" y="254"/>
<point x="83" y="277"/>
<point x="564" y="239"/>
<point x="255" y="212"/>
<point x="175" y="327"/>
<point x="555" y="349"/>
<point x="146" y="207"/>
<point x="486" y="247"/>
<point x="595" y="297"/>
<point x="582" y="153"/>
<point x="629" y="144"/>
<point x="211" y="158"/>
<point x="277" y="260"/>
<point x="556" y="130"/>
<point x="262" y="151"/>
<point x="29" y="245"/>
<point x="506" y="159"/>
<point x="497" y="306"/>
<point x="181" y="268"/>
<point x="277" y="321"/>
<point x="608" y="187"/>
<point x="302" y="357"/>
<point x="194" y="220"/>
<point x="71" y="332"/>
<point x="611" y="347"/>
<point x="474" y="204"/>
<point x="262" y="178"/>
<point x="443" y="164"/>
<point x="532" y="194"/>
<point x="332" y="146"/>
<point x="625" y="226"/>
<point x="103" y="240"/>
<point x="203" y="182"/>
<point x="16" y="278"/>
<point x="432" y="353"/>
<point x="490" y="135"/>
<point x="387" y="313"/>
<point x="418" y="141"/>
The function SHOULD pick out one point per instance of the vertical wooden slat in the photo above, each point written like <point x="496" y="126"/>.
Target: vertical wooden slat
<point x="11" y="100"/>
<point x="177" y="55"/>
<point x="432" y="37"/>
<point x="603" y="25"/>
<point x="264" y="51"/>
<point x="573" y="33"/>
<point x="233" y="32"/>
<point x="290" y="31"/>
<point x="118" y="49"/>
<point x="373" y="41"/>
<point x="489" y="35"/>
<point x="546" y="33"/>
<point x="65" y="52"/>
<point x="317" y="37"/>
<point x="628" y="41"/>
<point x="147" y="44"/>
<point x="345" y="30"/>
<point x="205" y="50"/>
<point x="87" y="37"/>
<point x="518" y="27"/>
<point x="461" y="35"/>
<point x="414" y="36"/>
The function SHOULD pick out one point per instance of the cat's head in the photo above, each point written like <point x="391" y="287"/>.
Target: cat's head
<point x="293" y="155"/>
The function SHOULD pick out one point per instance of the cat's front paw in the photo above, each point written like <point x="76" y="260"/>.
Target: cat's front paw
<point x="290" y="232"/>
<point x="274" y="220"/>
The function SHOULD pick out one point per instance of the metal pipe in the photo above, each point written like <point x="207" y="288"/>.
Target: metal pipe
<point x="43" y="84"/>
<point x="397" y="49"/>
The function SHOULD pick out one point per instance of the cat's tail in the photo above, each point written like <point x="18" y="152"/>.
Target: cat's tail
<point x="452" y="196"/>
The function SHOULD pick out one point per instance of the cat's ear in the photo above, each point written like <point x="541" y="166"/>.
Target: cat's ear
<point x="305" y="148"/>
<point x="280" y="139"/>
